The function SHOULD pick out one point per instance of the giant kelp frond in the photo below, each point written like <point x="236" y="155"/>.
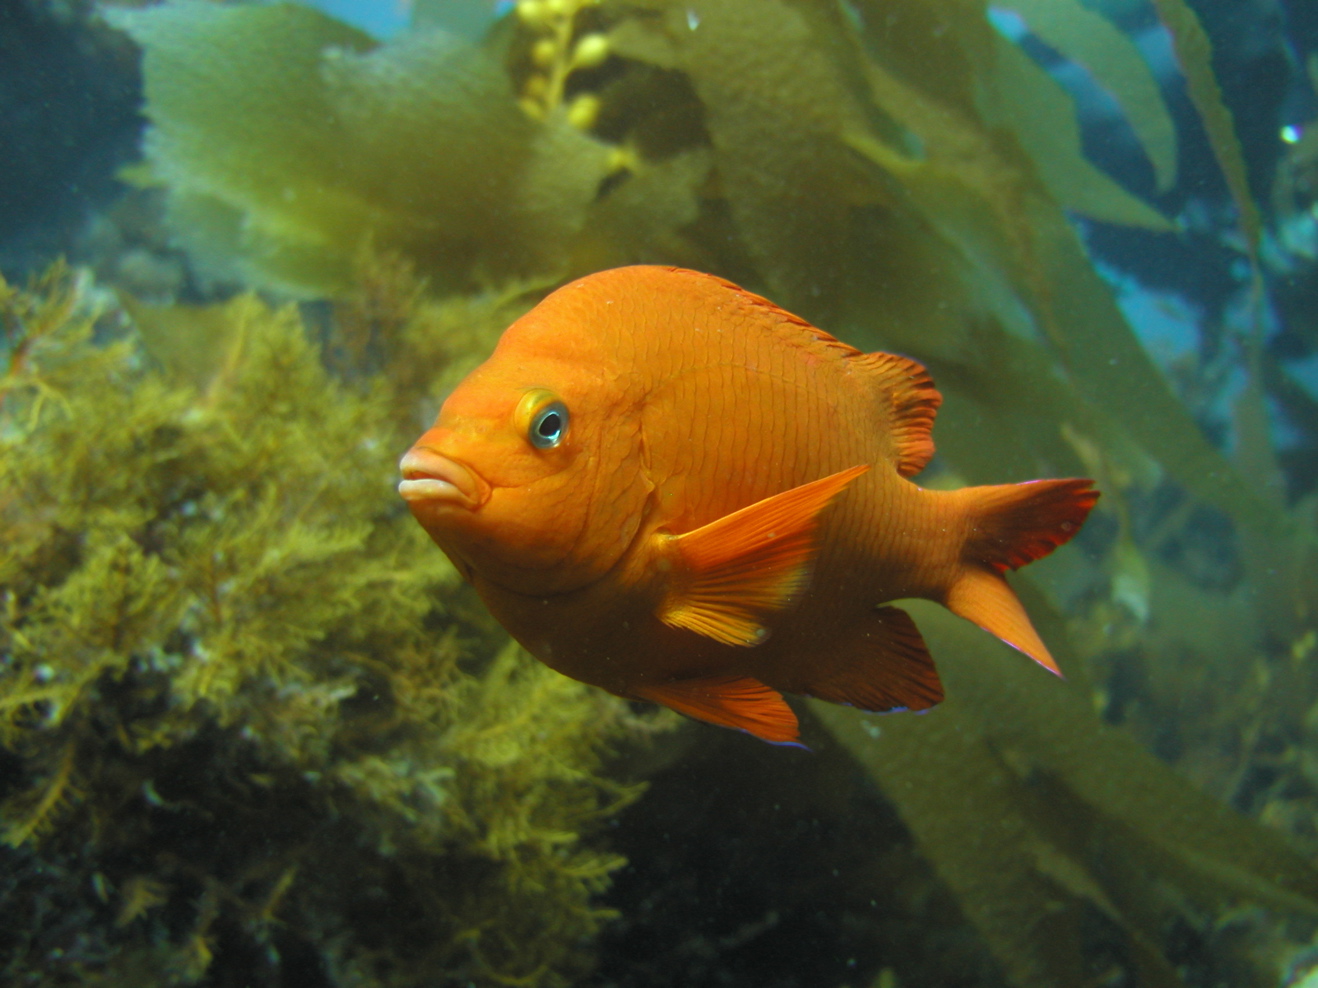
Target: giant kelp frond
<point x="775" y="112"/>
<point x="419" y="145"/>
<point x="1093" y="42"/>
<point x="1022" y="96"/>
<point x="1073" y="820"/>
<point x="1194" y="54"/>
<point x="217" y="619"/>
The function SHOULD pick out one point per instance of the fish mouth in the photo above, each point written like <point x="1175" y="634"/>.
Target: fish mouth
<point x="432" y="478"/>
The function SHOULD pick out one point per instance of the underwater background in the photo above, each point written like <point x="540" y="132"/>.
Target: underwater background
<point x="254" y="729"/>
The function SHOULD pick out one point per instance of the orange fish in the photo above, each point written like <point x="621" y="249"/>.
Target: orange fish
<point x="670" y="488"/>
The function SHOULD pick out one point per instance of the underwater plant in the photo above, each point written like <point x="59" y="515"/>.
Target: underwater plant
<point x="899" y="172"/>
<point x="420" y="145"/>
<point x="248" y="724"/>
<point x="903" y="199"/>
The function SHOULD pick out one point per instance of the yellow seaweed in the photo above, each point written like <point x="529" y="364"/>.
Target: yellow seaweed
<point x="240" y="687"/>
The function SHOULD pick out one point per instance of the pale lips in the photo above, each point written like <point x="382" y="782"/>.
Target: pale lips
<point x="431" y="476"/>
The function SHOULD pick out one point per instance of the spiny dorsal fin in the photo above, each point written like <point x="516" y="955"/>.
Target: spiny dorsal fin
<point x="915" y="402"/>
<point x="729" y="701"/>
<point x="727" y="576"/>
<point x="790" y="327"/>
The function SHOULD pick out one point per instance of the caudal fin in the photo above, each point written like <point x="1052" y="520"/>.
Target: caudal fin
<point x="1014" y="524"/>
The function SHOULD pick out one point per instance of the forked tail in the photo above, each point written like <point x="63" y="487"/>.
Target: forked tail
<point x="1011" y="525"/>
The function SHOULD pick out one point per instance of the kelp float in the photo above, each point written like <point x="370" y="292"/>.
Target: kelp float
<point x="897" y="170"/>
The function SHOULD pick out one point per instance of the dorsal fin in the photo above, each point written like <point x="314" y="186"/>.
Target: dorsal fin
<point x="915" y="402"/>
<point x="911" y="398"/>
<point x="790" y="327"/>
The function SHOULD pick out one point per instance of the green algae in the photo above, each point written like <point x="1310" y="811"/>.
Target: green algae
<point x="242" y="697"/>
<point x="1194" y="52"/>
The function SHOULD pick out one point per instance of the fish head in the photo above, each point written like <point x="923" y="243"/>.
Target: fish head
<point x="531" y="478"/>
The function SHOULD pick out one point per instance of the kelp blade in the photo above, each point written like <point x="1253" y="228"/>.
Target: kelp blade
<point x="1034" y="813"/>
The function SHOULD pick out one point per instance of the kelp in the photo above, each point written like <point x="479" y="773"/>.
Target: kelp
<point x="1075" y="826"/>
<point x="901" y="173"/>
<point x="774" y="125"/>
<point x="1023" y="97"/>
<point x="242" y="700"/>
<point x="1105" y="362"/>
<point x="1096" y="44"/>
<point x="286" y="139"/>
<point x="1194" y="54"/>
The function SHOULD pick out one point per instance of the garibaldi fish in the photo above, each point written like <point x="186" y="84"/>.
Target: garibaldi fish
<point x="670" y="488"/>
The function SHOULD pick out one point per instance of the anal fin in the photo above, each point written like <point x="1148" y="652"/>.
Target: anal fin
<point x="727" y="576"/>
<point x="885" y="666"/>
<point x="729" y="701"/>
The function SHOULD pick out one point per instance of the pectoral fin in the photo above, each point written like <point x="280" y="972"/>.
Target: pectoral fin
<point x="729" y="701"/>
<point x="728" y="575"/>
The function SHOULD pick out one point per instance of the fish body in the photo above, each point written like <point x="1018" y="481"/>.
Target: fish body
<point x="670" y="488"/>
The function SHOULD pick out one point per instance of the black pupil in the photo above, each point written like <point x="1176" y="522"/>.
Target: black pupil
<point x="550" y="426"/>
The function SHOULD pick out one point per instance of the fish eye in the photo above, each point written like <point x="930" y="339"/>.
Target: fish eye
<point x="549" y="426"/>
<point x="547" y="421"/>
